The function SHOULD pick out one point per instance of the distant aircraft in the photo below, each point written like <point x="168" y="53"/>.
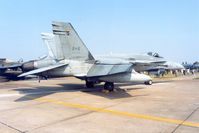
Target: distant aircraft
<point x="68" y="56"/>
<point x="9" y="70"/>
<point x="151" y="62"/>
<point x="196" y="65"/>
<point x="161" y="68"/>
<point x="190" y="66"/>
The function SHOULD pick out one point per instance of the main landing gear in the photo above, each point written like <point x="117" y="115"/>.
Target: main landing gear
<point x="109" y="86"/>
<point x="89" y="84"/>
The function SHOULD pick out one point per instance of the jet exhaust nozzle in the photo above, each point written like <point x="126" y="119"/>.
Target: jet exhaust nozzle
<point x="27" y="66"/>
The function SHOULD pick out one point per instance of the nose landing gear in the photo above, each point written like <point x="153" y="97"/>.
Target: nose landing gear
<point x="148" y="82"/>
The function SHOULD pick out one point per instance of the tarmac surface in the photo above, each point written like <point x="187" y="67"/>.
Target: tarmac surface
<point x="65" y="105"/>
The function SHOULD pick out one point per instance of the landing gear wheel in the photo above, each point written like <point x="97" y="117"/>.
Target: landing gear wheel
<point x="148" y="82"/>
<point x="109" y="86"/>
<point x="89" y="84"/>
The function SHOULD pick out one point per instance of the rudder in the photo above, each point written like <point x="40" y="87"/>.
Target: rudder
<point x="72" y="45"/>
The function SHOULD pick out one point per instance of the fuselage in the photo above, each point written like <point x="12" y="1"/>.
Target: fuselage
<point x="80" y="69"/>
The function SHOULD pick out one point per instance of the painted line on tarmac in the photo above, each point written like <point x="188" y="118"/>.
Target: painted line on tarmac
<point x="120" y="113"/>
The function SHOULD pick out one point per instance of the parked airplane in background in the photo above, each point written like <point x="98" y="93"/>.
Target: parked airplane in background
<point x="190" y="66"/>
<point x="151" y="62"/>
<point x="9" y="70"/>
<point x="68" y="56"/>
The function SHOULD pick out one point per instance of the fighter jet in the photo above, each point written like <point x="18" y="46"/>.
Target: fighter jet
<point x="150" y="62"/>
<point x="142" y="62"/>
<point x="9" y="70"/>
<point x="190" y="66"/>
<point x="164" y="67"/>
<point x="68" y="56"/>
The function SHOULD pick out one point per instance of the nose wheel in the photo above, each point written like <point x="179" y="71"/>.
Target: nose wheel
<point x="109" y="86"/>
<point x="148" y="82"/>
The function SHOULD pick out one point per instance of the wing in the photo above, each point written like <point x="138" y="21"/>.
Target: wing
<point x="41" y="70"/>
<point x="13" y="66"/>
<point x="98" y="70"/>
<point x="146" y="62"/>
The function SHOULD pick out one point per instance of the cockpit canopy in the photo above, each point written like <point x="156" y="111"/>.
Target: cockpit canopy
<point x="154" y="54"/>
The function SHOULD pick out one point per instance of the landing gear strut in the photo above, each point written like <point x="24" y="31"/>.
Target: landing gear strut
<point x="109" y="86"/>
<point x="89" y="84"/>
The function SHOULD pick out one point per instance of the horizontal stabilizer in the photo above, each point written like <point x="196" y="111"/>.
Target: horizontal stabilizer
<point x="40" y="70"/>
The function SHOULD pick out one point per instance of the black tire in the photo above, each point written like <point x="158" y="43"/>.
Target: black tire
<point x="150" y="82"/>
<point x="89" y="84"/>
<point x="109" y="86"/>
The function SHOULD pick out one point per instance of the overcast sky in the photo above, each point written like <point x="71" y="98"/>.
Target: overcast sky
<point x="169" y="27"/>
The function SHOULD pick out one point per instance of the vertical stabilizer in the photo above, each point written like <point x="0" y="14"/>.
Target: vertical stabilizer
<point x="54" y="47"/>
<point x="72" y="45"/>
